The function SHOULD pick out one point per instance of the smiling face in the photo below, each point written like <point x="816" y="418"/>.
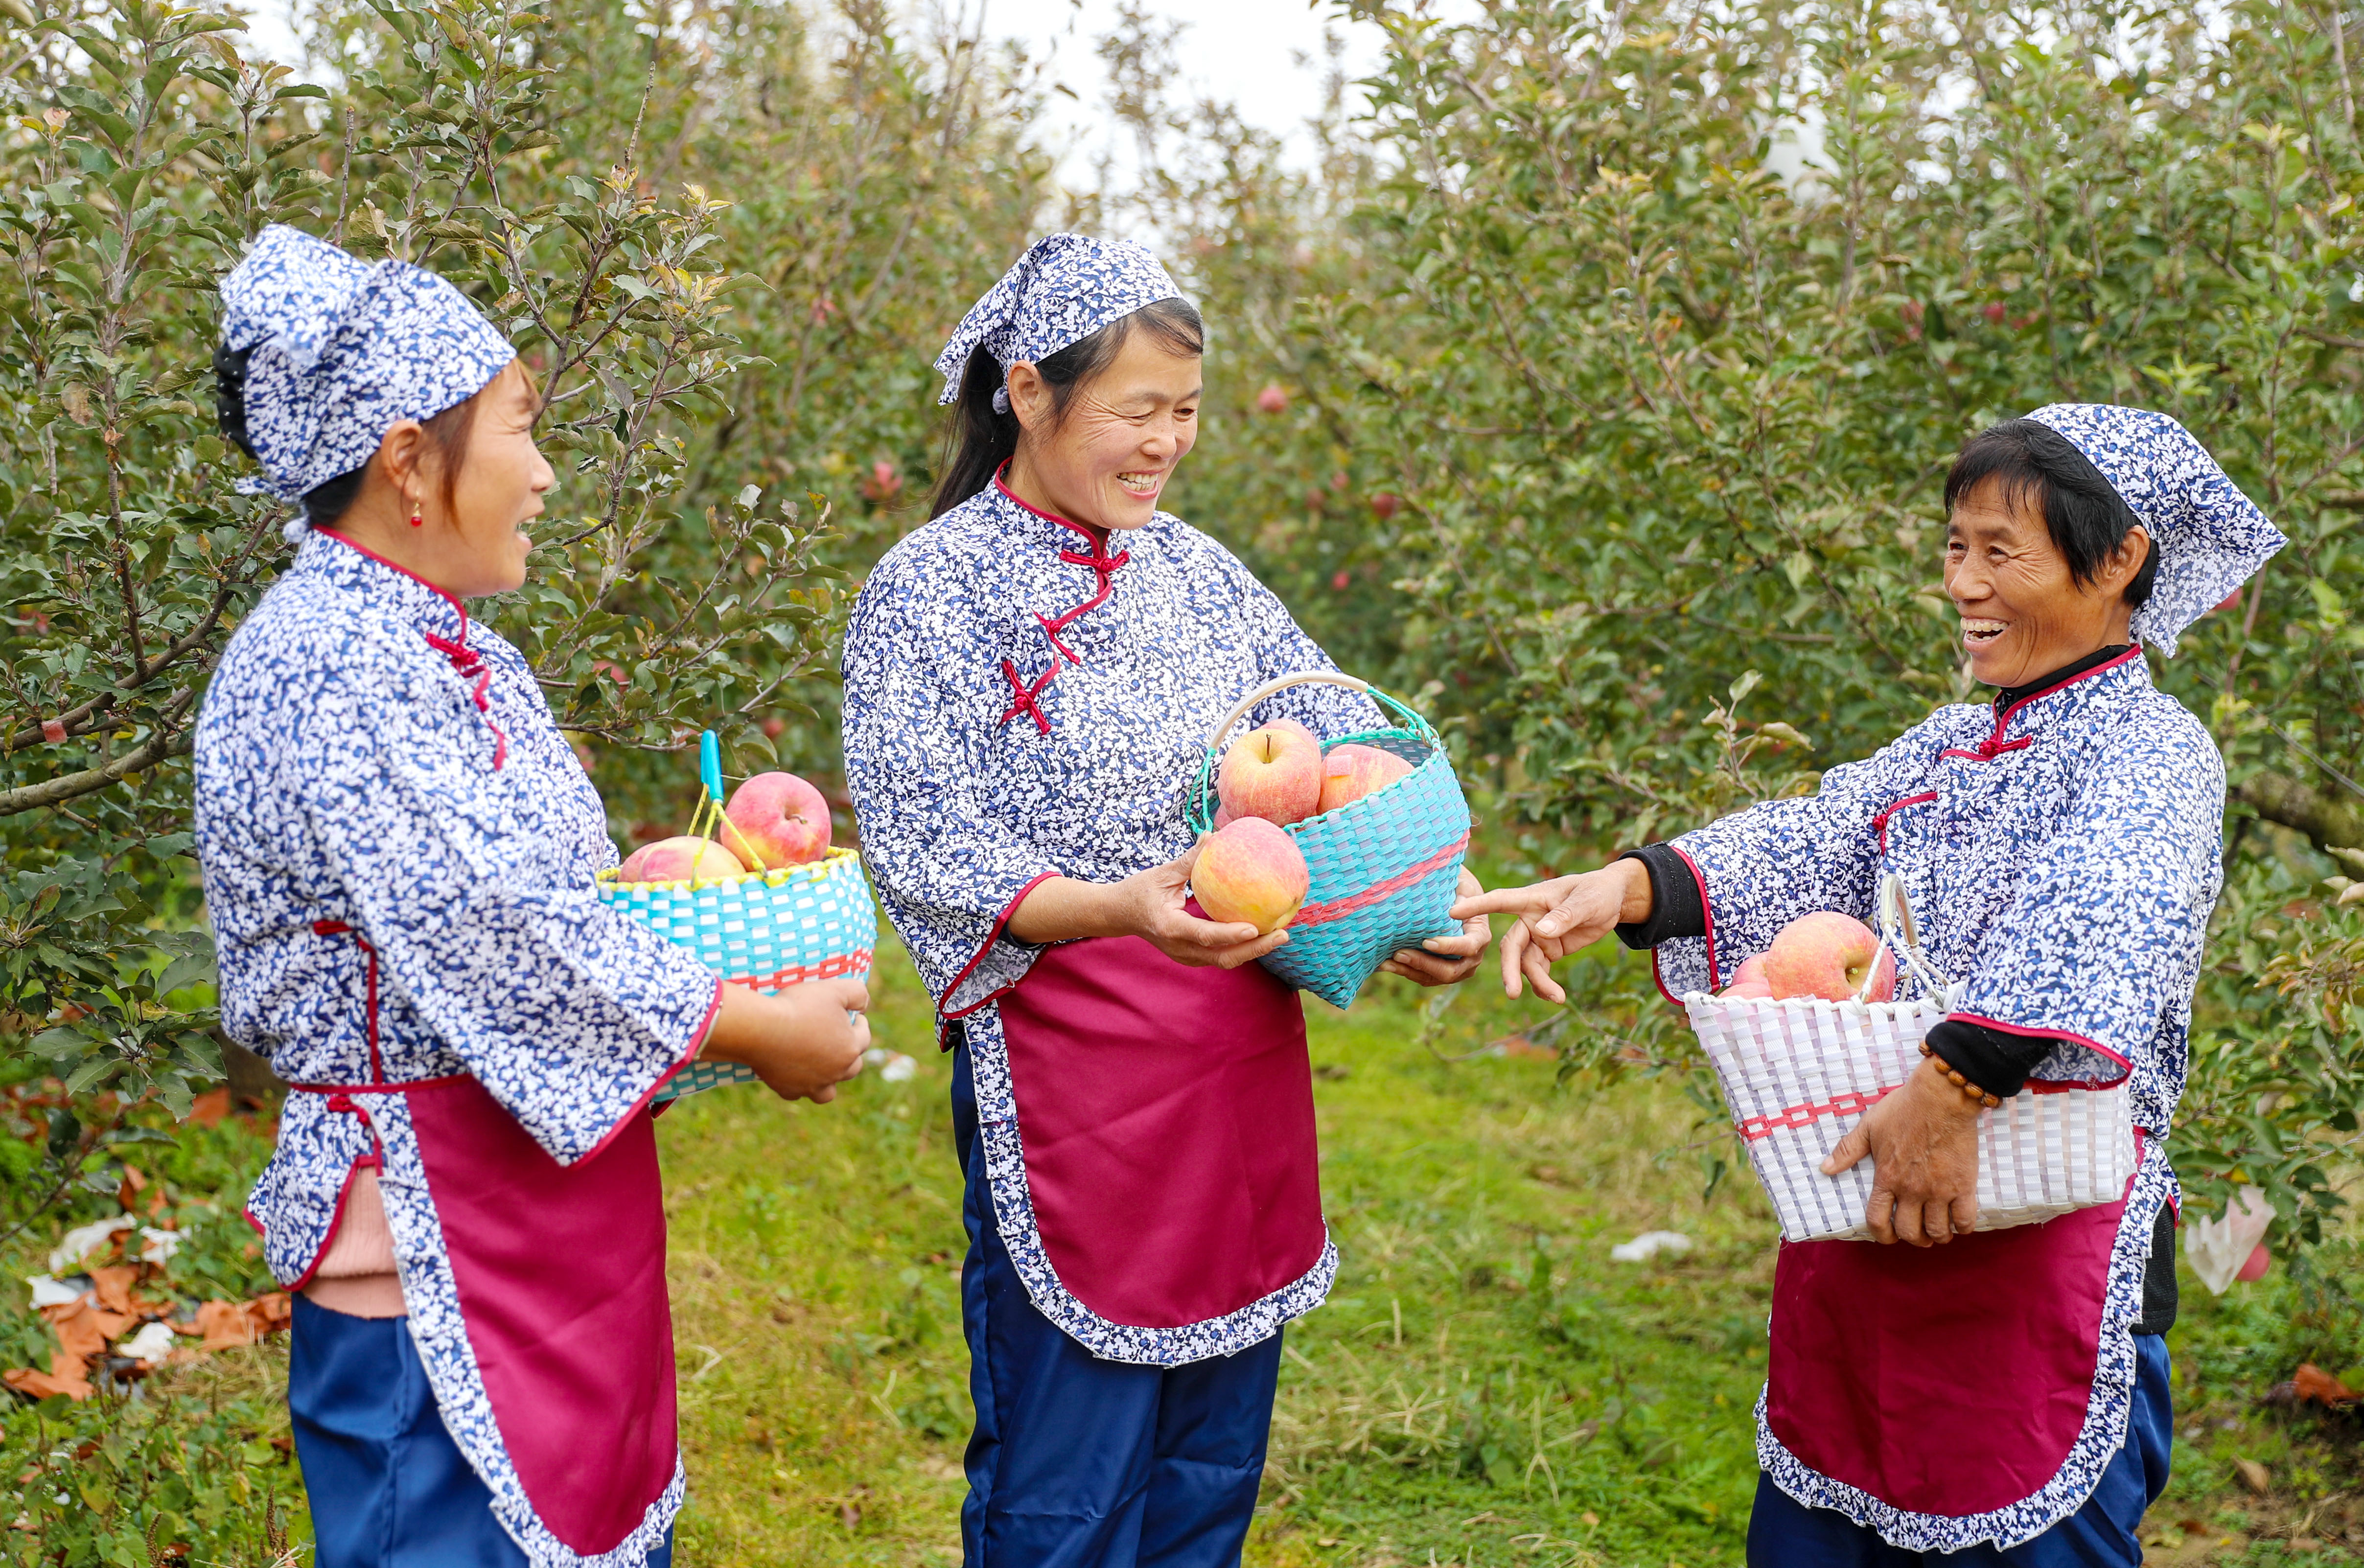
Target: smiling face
<point x="2024" y="613"/>
<point x="1107" y="461"/>
<point x="497" y="490"/>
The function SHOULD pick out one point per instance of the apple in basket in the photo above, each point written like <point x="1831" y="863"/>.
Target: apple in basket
<point x="1273" y="773"/>
<point x="1748" y="980"/>
<point x="680" y="860"/>
<point x="1251" y="872"/>
<point x="1351" y="771"/>
<point x="776" y="820"/>
<point x="1828" y="954"/>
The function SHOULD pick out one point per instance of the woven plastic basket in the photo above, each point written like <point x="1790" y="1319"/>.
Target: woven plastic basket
<point x="1798" y="1073"/>
<point x="768" y="930"/>
<point x="1384" y="868"/>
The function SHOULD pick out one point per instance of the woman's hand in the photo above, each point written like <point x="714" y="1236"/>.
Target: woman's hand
<point x="802" y="1042"/>
<point x="1923" y="1143"/>
<point x="1446" y="961"/>
<point x="1148" y="905"/>
<point x="1559" y="917"/>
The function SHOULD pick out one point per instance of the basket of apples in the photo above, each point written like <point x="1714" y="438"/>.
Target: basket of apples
<point x="1812" y="1034"/>
<point x="1355" y="846"/>
<point x="754" y="889"/>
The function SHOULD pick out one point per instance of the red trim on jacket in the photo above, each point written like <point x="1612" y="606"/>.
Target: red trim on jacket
<point x="1995" y="745"/>
<point x="1880" y="822"/>
<point x="1028" y="698"/>
<point x="1000" y="924"/>
<point x="1707" y="914"/>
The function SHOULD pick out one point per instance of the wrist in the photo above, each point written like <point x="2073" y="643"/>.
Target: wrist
<point x="1966" y="1099"/>
<point x="1634" y="899"/>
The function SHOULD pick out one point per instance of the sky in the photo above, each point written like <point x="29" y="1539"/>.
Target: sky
<point x="1243" y="51"/>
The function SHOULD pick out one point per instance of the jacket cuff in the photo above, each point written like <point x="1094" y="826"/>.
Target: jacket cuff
<point x="1675" y="909"/>
<point x="1995" y="1062"/>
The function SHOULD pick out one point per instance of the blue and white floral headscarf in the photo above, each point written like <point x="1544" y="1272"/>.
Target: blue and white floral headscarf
<point x="340" y="349"/>
<point x="1067" y="287"/>
<point x="2210" y="537"/>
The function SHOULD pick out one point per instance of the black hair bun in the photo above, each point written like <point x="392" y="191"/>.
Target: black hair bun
<point x="229" y="395"/>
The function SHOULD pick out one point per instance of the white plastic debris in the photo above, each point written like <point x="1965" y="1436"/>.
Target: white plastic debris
<point x="84" y="1240"/>
<point x="152" y="1343"/>
<point x="894" y="1067"/>
<point x="48" y="1292"/>
<point x="2218" y="1248"/>
<point x="158" y="1246"/>
<point x="1649" y="1244"/>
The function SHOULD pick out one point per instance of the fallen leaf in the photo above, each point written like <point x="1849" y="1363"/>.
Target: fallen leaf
<point x="225" y="1326"/>
<point x="66" y="1375"/>
<point x="113" y="1283"/>
<point x="127" y="1191"/>
<point x="2254" y="1476"/>
<point x="208" y="1109"/>
<point x="850" y="1514"/>
<point x="2311" y="1381"/>
<point x="270" y="1313"/>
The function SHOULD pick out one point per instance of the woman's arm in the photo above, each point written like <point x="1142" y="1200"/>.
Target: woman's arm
<point x="803" y="1041"/>
<point x="1148" y="905"/>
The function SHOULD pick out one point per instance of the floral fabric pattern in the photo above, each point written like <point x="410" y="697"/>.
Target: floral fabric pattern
<point x="2210" y="537"/>
<point x="340" y="349"/>
<point x="2061" y="859"/>
<point x="993" y="740"/>
<point x="1067" y="287"/>
<point x="386" y="812"/>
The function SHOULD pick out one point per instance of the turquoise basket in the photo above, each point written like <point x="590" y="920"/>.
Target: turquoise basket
<point x="767" y="930"/>
<point x="1384" y="868"/>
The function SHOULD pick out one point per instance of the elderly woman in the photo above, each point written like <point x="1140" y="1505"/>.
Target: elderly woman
<point x="1029" y="679"/>
<point x="1998" y="1396"/>
<point x="398" y="848"/>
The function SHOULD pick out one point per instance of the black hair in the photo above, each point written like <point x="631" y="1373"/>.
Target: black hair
<point x="326" y="503"/>
<point x="978" y="440"/>
<point x="2086" y="517"/>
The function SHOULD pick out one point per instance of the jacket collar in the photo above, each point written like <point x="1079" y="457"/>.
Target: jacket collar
<point x="2063" y="694"/>
<point x="385" y="586"/>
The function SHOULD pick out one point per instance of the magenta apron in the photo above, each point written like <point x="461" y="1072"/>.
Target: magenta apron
<point x="1948" y="1380"/>
<point x="1167" y="1115"/>
<point x="560" y="1271"/>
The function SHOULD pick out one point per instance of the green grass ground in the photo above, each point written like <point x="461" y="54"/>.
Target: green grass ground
<point x="1486" y="1386"/>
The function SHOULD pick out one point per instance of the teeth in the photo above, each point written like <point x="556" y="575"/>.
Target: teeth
<point x="1983" y="628"/>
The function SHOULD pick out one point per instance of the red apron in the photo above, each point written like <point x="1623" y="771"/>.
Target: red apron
<point x="560" y="1271"/>
<point x="1167" y="1115"/>
<point x="1945" y="1379"/>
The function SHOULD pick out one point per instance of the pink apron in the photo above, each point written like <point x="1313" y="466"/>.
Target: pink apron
<point x="1167" y="1115"/>
<point x="1945" y="1379"/>
<point x="560" y="1271"/>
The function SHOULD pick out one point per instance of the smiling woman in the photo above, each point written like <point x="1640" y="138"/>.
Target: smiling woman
<point x="1029" y="681"/>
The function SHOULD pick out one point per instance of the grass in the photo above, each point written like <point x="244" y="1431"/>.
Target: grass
<point x="1486" y="1386"/>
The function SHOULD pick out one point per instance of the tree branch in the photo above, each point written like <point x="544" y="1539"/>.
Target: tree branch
<point x="2329" y="821"/>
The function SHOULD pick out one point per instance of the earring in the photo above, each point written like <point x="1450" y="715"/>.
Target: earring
<point x="416" y="520"/>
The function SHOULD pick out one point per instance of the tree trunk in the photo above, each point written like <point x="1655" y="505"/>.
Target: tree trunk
<point x="2333" y="822"/>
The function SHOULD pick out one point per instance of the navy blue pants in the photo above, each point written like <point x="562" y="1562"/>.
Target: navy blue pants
<point x="1785" y="1533"/>
<point x="1080" y="1463"/>
<point x="388" y="1488"/>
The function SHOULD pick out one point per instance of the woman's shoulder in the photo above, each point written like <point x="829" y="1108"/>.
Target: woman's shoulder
<point x="307" y="629"/>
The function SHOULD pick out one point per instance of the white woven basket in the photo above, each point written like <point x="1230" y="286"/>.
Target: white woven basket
<point x="1798" y="1074"/>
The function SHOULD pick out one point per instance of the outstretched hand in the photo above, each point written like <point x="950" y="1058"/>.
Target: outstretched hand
<point x="1559" y="917"/>
<point x="1922" y="1140"/>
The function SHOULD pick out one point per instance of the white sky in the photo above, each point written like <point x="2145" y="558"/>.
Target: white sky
<point x="1264" y="56"/>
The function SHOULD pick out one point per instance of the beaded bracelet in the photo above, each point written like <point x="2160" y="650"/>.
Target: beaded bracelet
<point x="1971" y="1091"/>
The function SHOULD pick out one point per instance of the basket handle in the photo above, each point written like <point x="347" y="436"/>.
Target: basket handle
<point x="706" y="822"/>
<point x="1201" y="815"/>
<point x="1894" y="911"/>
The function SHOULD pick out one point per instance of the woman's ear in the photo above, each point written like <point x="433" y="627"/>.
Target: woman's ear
<point x="2125" y="562"/>
<point x="401" y="458"/>
<point x="1030" y="395"/>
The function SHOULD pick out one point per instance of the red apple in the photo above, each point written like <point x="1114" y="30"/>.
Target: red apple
<point x="1273" y="399"/>
<point x="776" y="820"/>
<point x="680" y="860"/>
<point x="1251" y="872"/>
<point x="1828" y="954"/>
<point x="1757" y="989"/>
<point x="2254" y="1267"/>
<point x="1753" y="969"/>
<point x="1273" y="773"/>
<point x="1351" y="771"/>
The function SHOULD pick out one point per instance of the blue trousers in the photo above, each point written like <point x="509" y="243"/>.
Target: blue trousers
<point x="1080" y="1463"/>
<point x="388" y="1487"/>
<point x="1785" y="1533"/>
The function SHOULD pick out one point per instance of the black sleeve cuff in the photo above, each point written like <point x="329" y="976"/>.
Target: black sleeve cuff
<point x="1675" y="909"/>
<point x="1995" y="1062"/>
